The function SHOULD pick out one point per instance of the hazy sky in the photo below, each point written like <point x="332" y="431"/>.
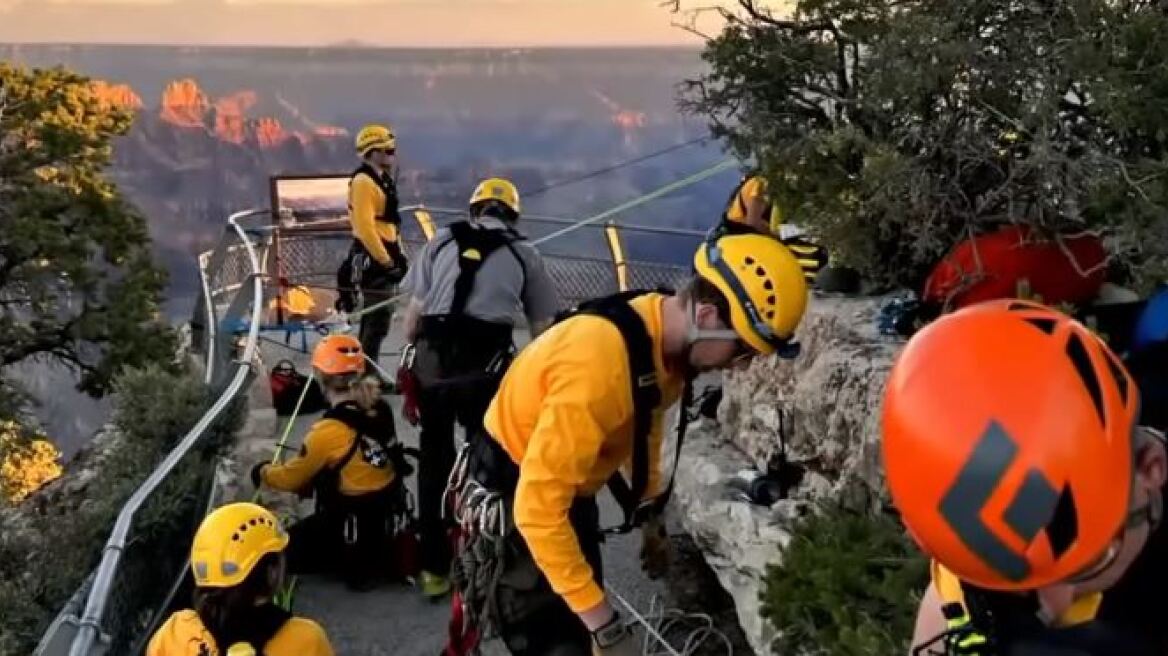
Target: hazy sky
<point x="378" y="22"/>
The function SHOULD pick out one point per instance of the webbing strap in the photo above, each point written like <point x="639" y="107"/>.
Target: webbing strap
<point x="646" y="399"/>
<point x="474" y="246"/>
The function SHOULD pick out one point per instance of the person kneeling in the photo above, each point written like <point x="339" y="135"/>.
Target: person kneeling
<point x="353" y="464"/>
<point x="237" y="559"/>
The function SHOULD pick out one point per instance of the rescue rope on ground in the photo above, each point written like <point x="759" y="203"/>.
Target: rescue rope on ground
<point x="576" y="225"/>
<point x="661" y="621"/>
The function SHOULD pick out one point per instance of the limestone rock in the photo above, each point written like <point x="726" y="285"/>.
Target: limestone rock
<point x="825" y="407"/>
<point x="825" y="404"/>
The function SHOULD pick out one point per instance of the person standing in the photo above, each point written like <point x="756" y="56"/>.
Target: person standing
<point x="375" y="263"/>
<point x="470" y="283"/>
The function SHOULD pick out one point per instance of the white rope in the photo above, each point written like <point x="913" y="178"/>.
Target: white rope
<point x="660" y="622"/>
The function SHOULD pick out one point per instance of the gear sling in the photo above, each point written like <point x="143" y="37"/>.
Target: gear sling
<point x="476" y="600"/>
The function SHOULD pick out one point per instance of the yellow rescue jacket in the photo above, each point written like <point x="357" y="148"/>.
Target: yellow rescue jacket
<point x="753" y="188"/>
<point x="327" y="443"/>
<point x="564" y="413"/>
<point x="367" y="208"/>
<point x="183" y="634"/>
<point x="948" y="587"/>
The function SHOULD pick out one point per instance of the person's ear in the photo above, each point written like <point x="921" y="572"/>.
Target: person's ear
<point x="707" y="315"/>
<point x="1152" y="465"/>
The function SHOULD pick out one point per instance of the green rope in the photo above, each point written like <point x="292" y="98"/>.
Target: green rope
<point x="639" y="200"/>
<point x="284" y="597"/>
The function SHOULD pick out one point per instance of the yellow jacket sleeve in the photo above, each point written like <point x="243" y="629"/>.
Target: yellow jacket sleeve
<point x="581" y="409"/>
<point x="300" y="637"/>
<point x="318" y="449"/>
<point x="365" y="202"/>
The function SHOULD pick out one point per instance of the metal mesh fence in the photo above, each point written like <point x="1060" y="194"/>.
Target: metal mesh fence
<point x="156" y="551"/>
<point x="580" y="263"/>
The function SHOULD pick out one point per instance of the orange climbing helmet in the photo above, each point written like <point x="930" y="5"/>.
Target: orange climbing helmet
<point x="1007" y="444"/>
<point x="339" y="355"/>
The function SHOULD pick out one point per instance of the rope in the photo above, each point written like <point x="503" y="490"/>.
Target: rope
<point x="660" y="622"/>
<point x="615" y="167"/>
<point x="635" y="202"/>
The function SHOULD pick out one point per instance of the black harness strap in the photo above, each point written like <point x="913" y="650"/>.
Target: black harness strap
<point x="387" y="187"/>
<point x="475" y="245"/>
<point x="646" y="399"/>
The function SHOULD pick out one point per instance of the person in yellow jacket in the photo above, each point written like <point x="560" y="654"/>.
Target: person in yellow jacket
<point x="750" y="211"/>
<point x="352" y="462"/>
<point x="237" y="560"/>
<point x="375" y="263"/>
<point x="585" y="398"/>
<point x="1020" y="462"/>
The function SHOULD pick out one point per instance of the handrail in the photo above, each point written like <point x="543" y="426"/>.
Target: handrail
<point x="341" y="225"/>
<point x="90" y="623"/>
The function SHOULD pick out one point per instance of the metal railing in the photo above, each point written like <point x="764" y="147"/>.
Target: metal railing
<point x="594" y="260"/>
<point x="81" y="633"/>
<point x="582" y="264"/>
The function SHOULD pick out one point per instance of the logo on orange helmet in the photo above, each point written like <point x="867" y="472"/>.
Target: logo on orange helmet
<point x="1008" y="444"/>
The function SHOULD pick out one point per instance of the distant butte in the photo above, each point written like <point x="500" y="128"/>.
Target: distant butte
<point x="229" y="118"/>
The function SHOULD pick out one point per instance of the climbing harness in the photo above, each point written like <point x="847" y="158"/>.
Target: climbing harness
<point x="646" y="399"/>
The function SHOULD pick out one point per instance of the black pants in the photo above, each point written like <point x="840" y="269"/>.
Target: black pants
<point x="351" y="538"/>
<point x="533" y="619"/>
<point x="377" y="283"/>
<point x="375" y="324"/>
<point x="442" y="404"/>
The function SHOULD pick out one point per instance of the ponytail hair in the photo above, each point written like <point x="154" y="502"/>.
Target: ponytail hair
<point x="229" y="613"/>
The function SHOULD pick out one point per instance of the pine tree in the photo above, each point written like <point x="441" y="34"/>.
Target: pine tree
<point x="896" y="128"/>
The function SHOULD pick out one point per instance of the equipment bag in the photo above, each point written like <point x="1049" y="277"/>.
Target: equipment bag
<point x="287" y="385"/>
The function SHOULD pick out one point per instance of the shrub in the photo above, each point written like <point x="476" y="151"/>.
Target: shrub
<point x="895" y="129"/>
<point x="849" y="585"/>
<point x="47" y="553"/>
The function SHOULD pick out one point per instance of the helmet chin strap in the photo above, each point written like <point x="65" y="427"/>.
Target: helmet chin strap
<point x="693" y="334"/>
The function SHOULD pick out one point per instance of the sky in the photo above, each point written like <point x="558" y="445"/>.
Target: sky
<point x="400" y="23"/>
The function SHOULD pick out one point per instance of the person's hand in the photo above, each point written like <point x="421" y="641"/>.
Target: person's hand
<point x="656" y="549"/>
<point x="614" y="638"/>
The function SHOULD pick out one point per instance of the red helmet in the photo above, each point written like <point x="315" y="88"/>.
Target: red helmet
<point x="338" y="354"/>
<point x="1007" y="442"/>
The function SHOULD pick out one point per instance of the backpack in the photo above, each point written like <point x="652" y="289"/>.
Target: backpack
<point x="646" y="399"/>
<point x="475" y="245"/>
<point x="287" y="384"/>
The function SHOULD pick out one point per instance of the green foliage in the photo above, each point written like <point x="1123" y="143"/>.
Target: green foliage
<point x="849" y="585"/>
<point x="77" y="283"/>
<point x="46" y="552"/>
<point x="896" y="129"/>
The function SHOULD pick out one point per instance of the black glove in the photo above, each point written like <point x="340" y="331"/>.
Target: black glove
<point x="256" y="473"/>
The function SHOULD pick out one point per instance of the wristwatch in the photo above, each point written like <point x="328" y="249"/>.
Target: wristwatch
<point x="611" y="633"/>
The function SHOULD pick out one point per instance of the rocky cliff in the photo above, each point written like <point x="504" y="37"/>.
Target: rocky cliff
<point x="824" y="406"/>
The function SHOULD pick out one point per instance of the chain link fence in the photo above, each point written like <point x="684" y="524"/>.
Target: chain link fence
<point x="581" y="263"/>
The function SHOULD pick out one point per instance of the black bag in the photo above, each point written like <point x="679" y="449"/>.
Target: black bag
<point x="287" y="385"/>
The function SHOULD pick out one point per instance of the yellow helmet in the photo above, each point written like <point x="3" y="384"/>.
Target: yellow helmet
<point x="763" y="283"/>
<point x="496" y="189"/>
<point x="375" y="136"/>
<point x="231" y="540"/>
